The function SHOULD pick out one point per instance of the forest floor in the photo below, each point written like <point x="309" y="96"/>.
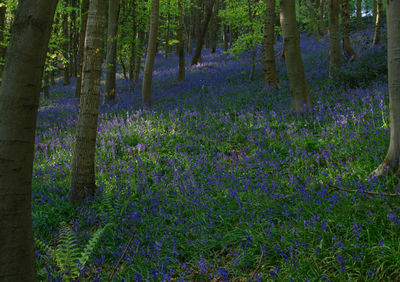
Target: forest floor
<point x="221" y="181"/>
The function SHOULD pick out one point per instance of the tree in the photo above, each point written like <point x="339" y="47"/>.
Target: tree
<point x="300" y="93"/>
<point x="66" y="41"/>
<point x="2" y="32"/>
<point x="19" y="99"/>
<point x="181" y="44"/>
<point x="111" y="58"/>
<point x="83" y="184"/>
<point x="378" y="23"/>
<point x="391" y="162"/>
<point x="82" y="34"/>
<point x="202" y="34"/>
<point x="269" y="66"/>
<point x="334" y="37"/>
<point x="151" y="54"/>
<point x="358" y="13"/>
<point x="347" y="48"/>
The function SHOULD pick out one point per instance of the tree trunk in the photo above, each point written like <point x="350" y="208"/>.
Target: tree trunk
<point x="83" y="183"/>
<point x="300" y="93"/>
<point x="66" y="45"/>
<point x="111" y="57"/>
<point x="202" y="34"/>
<point x="347" y="49"/>
<point x="167" y="37"/>
<point x="46" y="85"/>
<point x="374" y="12"/>
<point x="358" y="14"/>
<point x="84" y="16"/>
<point x="181" y="44"/>
<point x="334" y="38"/>
<point x="253" y="50"/>
<point x="378" y="24"/>
<point x="139" y="55"/>
<point x="391" y="161"/>
<point x="321" y="17"/>
<point x="151" y="55"/>
<point x="3" y="10"/>
<point x="225" y="38"/>
<point x="269" y="65"/>
<point x="19" y="100"/>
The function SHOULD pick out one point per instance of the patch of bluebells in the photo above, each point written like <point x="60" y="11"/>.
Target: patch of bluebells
<point x="219" y="169"/>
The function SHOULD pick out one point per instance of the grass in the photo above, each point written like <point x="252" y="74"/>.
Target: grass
<point x="221" y="181"/>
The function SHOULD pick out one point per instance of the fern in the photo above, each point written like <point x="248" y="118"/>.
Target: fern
<point x="68" y="257"/>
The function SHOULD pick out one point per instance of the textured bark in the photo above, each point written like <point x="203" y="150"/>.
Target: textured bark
<point x="202" y="34"/>
<point x="300" y="93"/>
<point x="84" y="16"/>
<point x="83" y="183"/>
<point x="269" y="65"/>
<point x="334" y="37"/>
<point x="19" y="100"/>
<point x="358" y="14"/>
<point x="66" y="45"/>
<point x="391" y="162"/>
<point x="347" y="48"/>
<point x="181" y="44"/>
<point x="378" y="24"/>
<point x="2" y="31"/>
<point x="151" y="55"/>
<point x="111" y="57"/>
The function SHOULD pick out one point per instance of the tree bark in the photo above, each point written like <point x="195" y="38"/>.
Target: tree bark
<point x="334" y="38"/>
<point x="181" y="44"/>
<point x="111" y="57"/>
<point x="66" y="45"/>
<point x="202" y="34"/>
<point x="19" y="100"/>
<point x="151" y="55"/>
<point x="374" y="11"/>
<point x="269" y="65"/>
<point x="347" y="48"/>
<point x="391" y="162"/>
<point x="358" y="14"/>
<point x="84" y="16"/>
<point x="378" y="24"/>
<point x="83" y="183"/>
<point x="300" y="93"/>
<point x="3" y="10"/>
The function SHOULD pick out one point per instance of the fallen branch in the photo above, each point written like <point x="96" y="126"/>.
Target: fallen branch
<point x="122" y="257"/>
<point x="366" y="192"/>
<point x="258" y="266"/>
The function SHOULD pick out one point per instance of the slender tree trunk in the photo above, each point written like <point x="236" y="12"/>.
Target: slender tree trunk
<point x="358" y="14"/>
<point x="139" y="55"/>
<point x="3" y="10"/>
<point x="253" y="50"/>
<point x="19" y="100"/>
<point x="270" y="74"/>
<point x="374" y="11"/>
<point x="201" y="37"/>
<point x="74" y="38"/>
<point x="84" y="16"/>
<point x="111" y="57"/>
<point x="66" y="45"/>
<point x="167" y="37"/>
<point x="151" y="55"/>
<point x="132" y="58"/>
<point x="378" y="24"/>
<point x="391" y="162"/>
<point x="181" y="44"/>
<point x="301" y="99"/>
<point x="347" y="48"/>
<point x="321" y="17"/>
<point x="334" y="38"/>
<point x="83" y="183"/>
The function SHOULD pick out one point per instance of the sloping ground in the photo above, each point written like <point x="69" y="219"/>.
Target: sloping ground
<point x="221" y="181"/>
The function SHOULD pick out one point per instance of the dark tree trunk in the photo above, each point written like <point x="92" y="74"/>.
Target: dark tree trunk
<point x="347" y="48"/>
<point x="181" y="44"/>
<point x="111" y="57"/>
<point x="66" y="49"/>
<point x="84" y="16"/>
<point x="201" y="37"/>
<point x="2" y="31"/>
<point x="19" y="100"/>
<point x="46" y="85"/>
<point x="83" y="182"/>
<point x="334" y="38"/>
<point x="151" y="55"/>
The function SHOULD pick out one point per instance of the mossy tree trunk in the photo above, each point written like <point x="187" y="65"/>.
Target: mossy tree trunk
<point x="83" y="183"/>
<point x="269" y="65"/>
<point x="151" y="55"/>
<point x="19" y="100"/>
<point x="391" y="162"/>
<point x="300" y="93"/>
<point x="111" y="57"/>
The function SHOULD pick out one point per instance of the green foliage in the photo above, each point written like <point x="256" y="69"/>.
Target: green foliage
<point x="67" y="255"/>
